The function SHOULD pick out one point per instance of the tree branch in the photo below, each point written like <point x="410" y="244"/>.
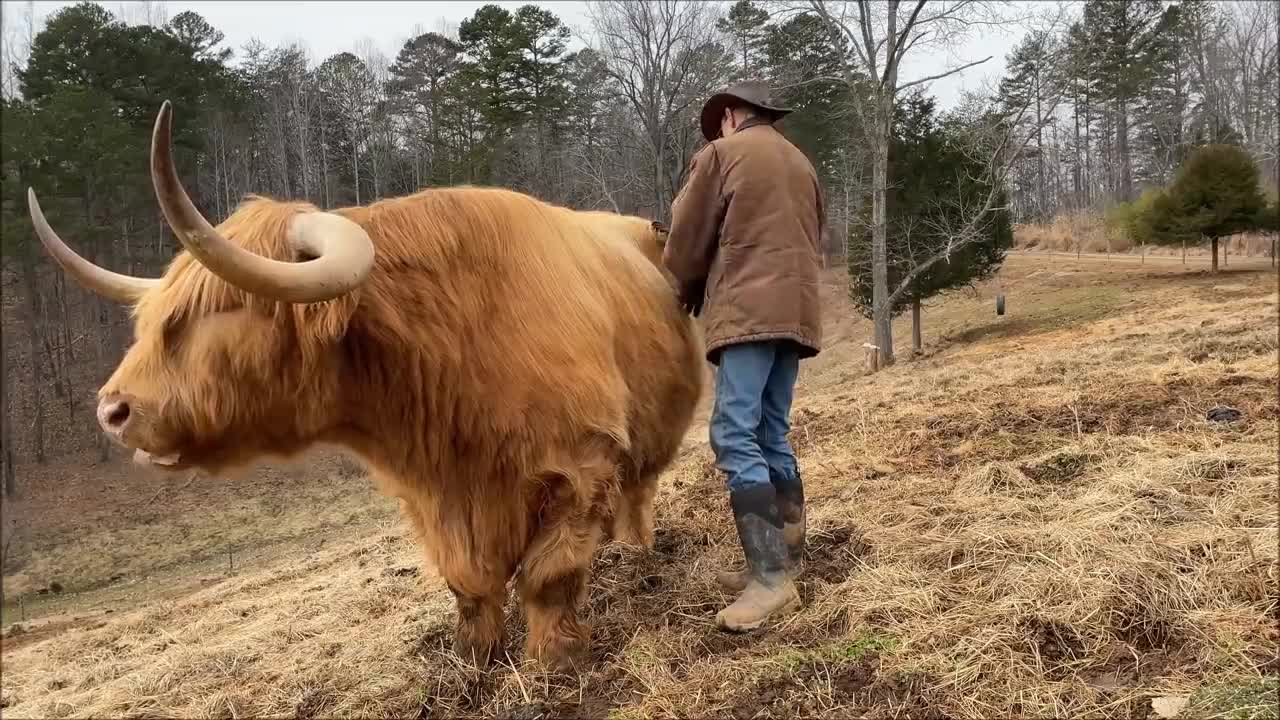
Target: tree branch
<point x="941" y="75"/>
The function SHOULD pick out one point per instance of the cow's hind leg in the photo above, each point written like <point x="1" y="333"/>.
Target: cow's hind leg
<point x="480" y="635"/>
<point x="557" y="639"/>
<point x="638" y="499"/>
<point x="557" y="564"/>
<point x="632" y="520"/>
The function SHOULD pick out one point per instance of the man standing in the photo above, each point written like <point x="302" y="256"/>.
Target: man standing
<point x="745" y="240"/>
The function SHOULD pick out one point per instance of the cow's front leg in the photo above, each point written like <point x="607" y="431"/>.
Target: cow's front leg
<point x="480" y="636"/>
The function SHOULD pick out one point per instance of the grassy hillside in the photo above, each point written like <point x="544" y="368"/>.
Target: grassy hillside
<point x="1035" y="518"/>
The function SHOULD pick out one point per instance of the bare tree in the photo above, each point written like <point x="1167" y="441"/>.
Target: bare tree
<point x="16" y="36"/>
<point x="996" y="141"/>
<point x="882" y="35"/>
<point x="656" y="52"/>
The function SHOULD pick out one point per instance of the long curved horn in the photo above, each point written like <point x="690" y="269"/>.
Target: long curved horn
<point x="342" y="251"/>
<point x="124" y="289"/>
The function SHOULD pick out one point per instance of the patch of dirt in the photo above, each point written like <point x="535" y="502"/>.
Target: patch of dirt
<point x="311" y="705"/>
<point x="1169" y="507"/>
<point x="832" y="553"/>
<point x="1057" y="644"/>
<point x="1058" y="467"/>
<point x="810" y="427"/>
<point x="848" y="689"/>
<point x="1142" y="630"/>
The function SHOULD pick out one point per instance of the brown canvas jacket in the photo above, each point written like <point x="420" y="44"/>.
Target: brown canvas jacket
<point x="748" y="222"/>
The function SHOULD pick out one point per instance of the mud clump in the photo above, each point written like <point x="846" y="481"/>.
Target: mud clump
<point x="1224" y="415"/>
<point x="433" y="641"/>
<point x="832" y="553"/>
<point x="1058" y="467"/>
<point x="1144" y="631"/>
<point x="1057" y="644"/>
<point x="856" y="689"/>
<point x="311" y="705"/>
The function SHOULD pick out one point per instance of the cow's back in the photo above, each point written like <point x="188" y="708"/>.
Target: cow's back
<point x="658" y="344"/>
<point x="537" y="329"/>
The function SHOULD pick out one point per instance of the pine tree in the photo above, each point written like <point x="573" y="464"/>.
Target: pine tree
<point x="935" y="184"/>
<point x="1121" y="33"/>
<point x="1027" y="85"/>
<point x="1166" y="103"/>
<point x="746" y="23"/>
<point x="1215" y="194"/>
<point x="417" y="89"/>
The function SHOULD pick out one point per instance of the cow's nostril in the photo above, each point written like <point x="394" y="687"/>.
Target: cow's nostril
<point x="115" y="415"/>
<point x="119" y="414"/>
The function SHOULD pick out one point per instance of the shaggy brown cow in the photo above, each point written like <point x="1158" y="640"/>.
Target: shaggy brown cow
<point x="516" y="373"/>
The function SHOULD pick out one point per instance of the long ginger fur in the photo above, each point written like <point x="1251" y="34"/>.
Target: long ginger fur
<point x="516" y="373"/>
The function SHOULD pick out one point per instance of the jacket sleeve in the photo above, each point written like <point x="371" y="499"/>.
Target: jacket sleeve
<point x="822" y="218"/>
<point x="695" y="220"/>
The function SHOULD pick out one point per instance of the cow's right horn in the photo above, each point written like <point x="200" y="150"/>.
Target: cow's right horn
<point x="124" y="289"/>
<point x="341" y="250"/>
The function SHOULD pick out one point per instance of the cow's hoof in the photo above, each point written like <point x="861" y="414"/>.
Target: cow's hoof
<point x="476" y="651"/>
<point x="563" y="655"/>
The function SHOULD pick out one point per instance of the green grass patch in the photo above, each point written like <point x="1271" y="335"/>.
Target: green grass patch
<point x="838" y="653"/>
<point x="1245" y="701"/>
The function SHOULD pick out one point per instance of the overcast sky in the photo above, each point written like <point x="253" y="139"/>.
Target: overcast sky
<point x="331" y="27"/>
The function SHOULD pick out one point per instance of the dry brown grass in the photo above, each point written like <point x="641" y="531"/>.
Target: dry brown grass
<point x="1086" y="232"/>
<point x="1033" y="519"/>
<point x="146" y="523"/>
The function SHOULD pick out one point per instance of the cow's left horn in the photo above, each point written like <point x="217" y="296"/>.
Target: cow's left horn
<point x="342" y="251"/>
<point x="124" y="289"/>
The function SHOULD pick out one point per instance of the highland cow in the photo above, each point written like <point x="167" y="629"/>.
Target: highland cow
<point x="516" y="373"/>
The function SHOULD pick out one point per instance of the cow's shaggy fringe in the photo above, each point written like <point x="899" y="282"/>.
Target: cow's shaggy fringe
<point x="1039" y="524"/>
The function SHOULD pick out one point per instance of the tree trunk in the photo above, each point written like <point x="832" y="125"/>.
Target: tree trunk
<point x="6" y="430"/>
<point x="1213" y="248"/>
<point x="1042" y="211"/>
<point x="355" y="163"/>
<point x="1126" y="162"/>
<point x="38" y="357"/>
<point x="1184" y="251"/>
<point x="1077" y="184"/>
<point x="879" y="230"/>
<point x="660" y="160"/>
<point x="916" y="345"/>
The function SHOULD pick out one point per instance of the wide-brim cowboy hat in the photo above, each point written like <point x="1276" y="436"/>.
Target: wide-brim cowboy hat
<point x="752" y="92"/>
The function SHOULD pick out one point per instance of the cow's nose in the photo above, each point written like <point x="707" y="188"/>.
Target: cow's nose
<point x="114" y="413"/>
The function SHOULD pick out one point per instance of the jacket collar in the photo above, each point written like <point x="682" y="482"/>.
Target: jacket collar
<point x="753" y="122"/>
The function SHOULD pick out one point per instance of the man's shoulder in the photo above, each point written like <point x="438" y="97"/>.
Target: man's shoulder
<point x="709" y="152"/>
<point x="746" y="144"/>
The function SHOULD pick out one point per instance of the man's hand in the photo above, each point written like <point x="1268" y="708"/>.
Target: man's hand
<point x="692" y="295"/>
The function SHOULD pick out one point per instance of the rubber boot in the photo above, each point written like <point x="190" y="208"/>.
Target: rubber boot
<point x="769" y="591"/>
<point x="791" y="502"/>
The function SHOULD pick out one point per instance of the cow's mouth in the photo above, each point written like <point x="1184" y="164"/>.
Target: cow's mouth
<point x="171" y="461"/>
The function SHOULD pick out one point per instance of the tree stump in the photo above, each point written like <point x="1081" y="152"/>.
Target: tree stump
<point x="873" y="357"/>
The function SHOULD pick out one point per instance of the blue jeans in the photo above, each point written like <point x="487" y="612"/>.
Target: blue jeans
<point x="751" y="419"/>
